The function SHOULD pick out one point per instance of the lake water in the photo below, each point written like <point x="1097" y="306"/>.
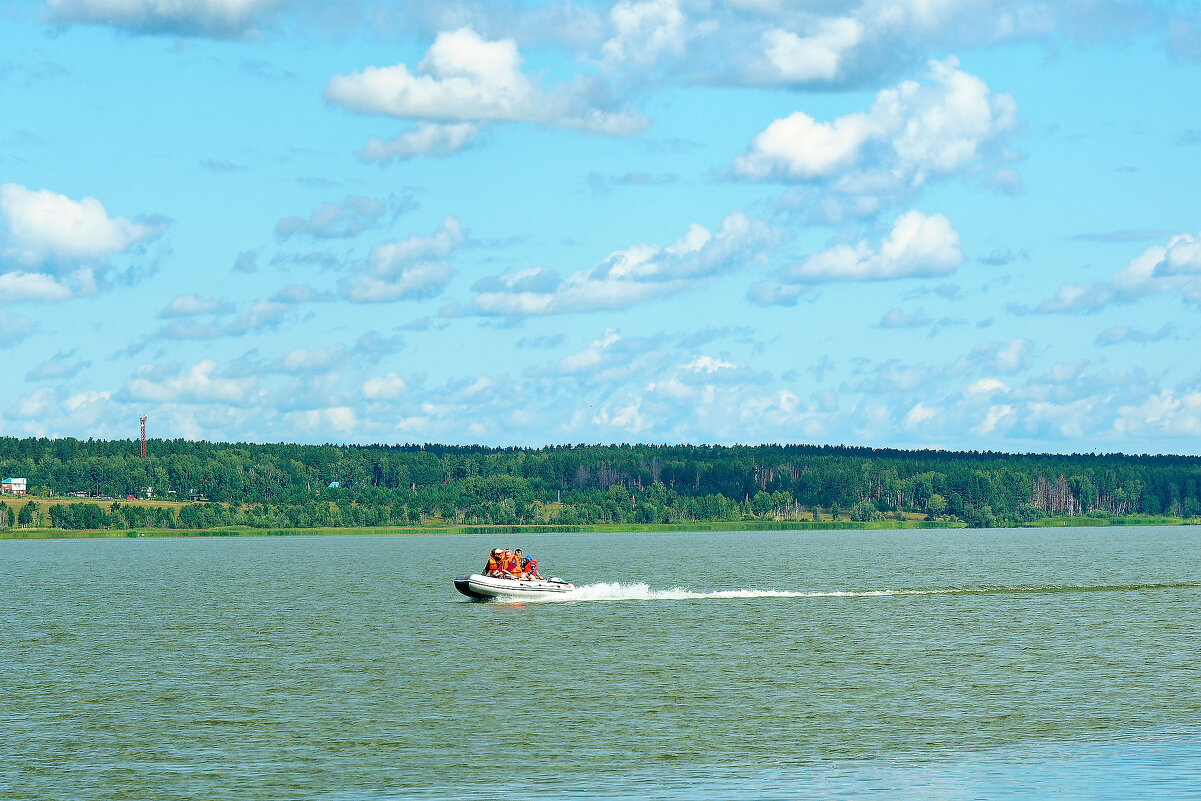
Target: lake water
<point x="893" y="664"/>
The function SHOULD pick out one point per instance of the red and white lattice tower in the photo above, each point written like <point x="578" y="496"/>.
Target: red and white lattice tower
<point x="143" y="421"/>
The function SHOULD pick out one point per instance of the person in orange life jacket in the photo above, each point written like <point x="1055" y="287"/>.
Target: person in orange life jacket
<point x="493" y="567"/>
<point x="518" y="570"/>
<point x="529" y="569"/>
<point x="508" y="565"/>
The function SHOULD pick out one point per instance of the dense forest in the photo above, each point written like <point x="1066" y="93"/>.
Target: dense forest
<point x="281" y="485"/>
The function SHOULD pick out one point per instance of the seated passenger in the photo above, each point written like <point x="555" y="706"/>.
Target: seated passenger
<point x="529" y="570"/>
<point x="493" y="568"/>
<point x="509" y="565"/>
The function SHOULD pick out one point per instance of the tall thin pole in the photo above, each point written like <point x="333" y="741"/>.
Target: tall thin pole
<point x="143" y="421"/>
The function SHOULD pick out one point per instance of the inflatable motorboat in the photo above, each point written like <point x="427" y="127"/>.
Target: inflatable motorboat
<point x="486" y="588"/>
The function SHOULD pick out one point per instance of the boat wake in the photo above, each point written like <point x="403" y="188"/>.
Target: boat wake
<point x="617" y="591"/>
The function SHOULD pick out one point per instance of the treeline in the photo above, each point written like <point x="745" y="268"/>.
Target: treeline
<point x="281" y="485"/>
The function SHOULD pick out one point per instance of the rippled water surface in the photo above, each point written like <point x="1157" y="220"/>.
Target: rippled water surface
<point x="987" y="664"/>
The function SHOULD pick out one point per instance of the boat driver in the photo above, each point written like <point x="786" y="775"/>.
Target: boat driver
<point x="495" y="566"/>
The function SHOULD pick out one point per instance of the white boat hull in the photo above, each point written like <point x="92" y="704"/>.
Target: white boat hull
<point x="485" y="588"/>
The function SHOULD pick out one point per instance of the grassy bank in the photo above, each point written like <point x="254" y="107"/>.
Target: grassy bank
<point x="247" y="531"/>
<point x="825" y="525"/>
<point x="1130" y="520"/>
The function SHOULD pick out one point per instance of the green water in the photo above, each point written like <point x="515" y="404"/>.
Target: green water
<point x="750" y="664"/>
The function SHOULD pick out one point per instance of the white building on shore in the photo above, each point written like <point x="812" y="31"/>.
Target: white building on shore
<point x="13" y="486"/>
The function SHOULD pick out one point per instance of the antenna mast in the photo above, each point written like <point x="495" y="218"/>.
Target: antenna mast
<point x="142" y="419"/>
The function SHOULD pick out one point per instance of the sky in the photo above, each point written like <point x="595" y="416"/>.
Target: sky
<point x="961" y="224"/>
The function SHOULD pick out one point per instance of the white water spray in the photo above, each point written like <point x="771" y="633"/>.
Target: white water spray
<point x="642" y="592"/>
<point x="617" y="591"/>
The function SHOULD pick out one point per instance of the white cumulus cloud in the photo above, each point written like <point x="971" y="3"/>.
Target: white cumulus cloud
<point x="986" y="386"/>
<point x="40" y="227"/>
<point x="197" y="384"/>
<point x="919" y="414"/>
<point x="1001" y="416"/>
<point x="644" y="32"/>
<point x="467" y="78"/>
<point x="913" y="132"/>
<point x="385" y="387"/>
<point x="918" y="246"/>
<point x="708" y="364"/>
<point x="55" y="248"/>
<point x="817" y="56"/>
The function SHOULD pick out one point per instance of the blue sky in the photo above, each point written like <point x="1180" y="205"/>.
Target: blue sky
<point x="965" y="224"/>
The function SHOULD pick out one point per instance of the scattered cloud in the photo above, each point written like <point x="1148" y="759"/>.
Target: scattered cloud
<point x="1171" y="269"/>
<point x="1008" y="358"/>
<point x="199" y="383"/>
<point x="708" y="365"/>
<point x="315" y="258"/>
<point x="39" y="404"/>
<point x="1120" y="335"/>
<point x="351" y="217"/>
<point x="1000" y="415"/>
<point x="646" y="32"/>
<point x="542" y="341"/>
<point x="919" y="246"/>
<point x="427" y="139"/>
<point x="14" y="328"/>
<point x="221" y="165"/>
<point x="192" y="304"/>
<point x="600" y="184"/>
<point x="407" y="269"/>
<point x="247" y="261"/>
<point x="1124" y="235"/>
<point x="218" y="19"/>
<point x="895" y="318"/>
<point x="190" y="318"/>
<point x="386" y="387"/>
<point x="919" y="414"/>
<point x="294" y="294"/>
<point x="1005" y="181"/>
<point x="58" y="367"/>
<point x="609" y="359"/>
<point x="375" y="344"/>
<point x="986" y="386"/>
<point x="1002" y="256"/>
<point x="638" y="274"/>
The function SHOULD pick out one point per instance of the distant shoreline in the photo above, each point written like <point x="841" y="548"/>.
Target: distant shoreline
<point x="729" y="526"/>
